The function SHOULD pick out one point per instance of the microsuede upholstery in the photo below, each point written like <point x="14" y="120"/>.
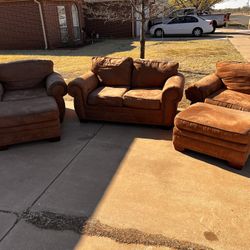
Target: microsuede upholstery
<point x="230" y="99"/>
<point x="143" y="98"/>
<point x="31" y="111"/>
<point x="25" y="74"/>
<point x="215" y="131"/>
<point x="198" y="91"/>
<point x="152" y="73"/>
<point x="17" y="95"/>
<point x="1" y="91"/>
<point x="235" y="75"/>
<point x="110" y="96"/>
<point x="145" y="105"/>
<point x="113" y="71"/>
<point x="215" y="121"/>
<point x="212" y="140"/>
<point x="32" y="103"/>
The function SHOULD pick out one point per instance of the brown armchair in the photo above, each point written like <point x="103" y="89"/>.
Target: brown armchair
<point x="123" y="90"/>
<point x="228" y="87"/>
<point x="31" y="101"/>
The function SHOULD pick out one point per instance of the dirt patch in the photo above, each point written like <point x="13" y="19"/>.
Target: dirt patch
<point x="211" y="236"/>
<point x="81" y="225"/>
<point x="52" y="221"/>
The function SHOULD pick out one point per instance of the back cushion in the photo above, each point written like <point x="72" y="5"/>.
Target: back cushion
<point x="25" y="74"/>
<point x="152" y="74"/>
<point x="235" y="75"/>
<point x="113" y="71"/>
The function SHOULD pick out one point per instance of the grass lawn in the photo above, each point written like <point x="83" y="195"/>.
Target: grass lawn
<point x="197" y="58"/>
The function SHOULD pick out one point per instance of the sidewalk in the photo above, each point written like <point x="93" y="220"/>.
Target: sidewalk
<point x="241" y="41"/>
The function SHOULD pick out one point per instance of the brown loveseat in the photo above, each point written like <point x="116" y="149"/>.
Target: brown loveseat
<point x="123" y="90"/>
<point x="31" y="102"/>
<point x="228" y="87"/>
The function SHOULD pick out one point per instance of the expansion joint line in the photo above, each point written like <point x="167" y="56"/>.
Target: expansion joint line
<point x="21" y="215"/>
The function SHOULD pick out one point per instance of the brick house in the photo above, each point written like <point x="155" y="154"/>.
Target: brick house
<point x="116" y="29"/>
<point x="41" y="24"/>
<point x="110" y="29"/>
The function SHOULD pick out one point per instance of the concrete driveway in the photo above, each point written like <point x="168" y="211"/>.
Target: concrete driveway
<point x="126" y="187"/>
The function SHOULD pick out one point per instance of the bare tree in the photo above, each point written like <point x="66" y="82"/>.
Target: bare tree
<point x="198" y="4"/>
<point x="129" y="10"/>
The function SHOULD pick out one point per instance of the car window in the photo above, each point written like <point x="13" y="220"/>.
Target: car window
<point x="177" y="20"/>
<point x="191" y="19"/>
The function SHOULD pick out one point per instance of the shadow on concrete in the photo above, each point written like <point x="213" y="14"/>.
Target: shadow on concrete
<point x="77" y="186"/>
<point x="69" y="177"/>
<point x="220" y="163"/>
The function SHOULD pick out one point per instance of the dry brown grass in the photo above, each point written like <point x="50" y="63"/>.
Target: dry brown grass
<point x="197" y="58"/>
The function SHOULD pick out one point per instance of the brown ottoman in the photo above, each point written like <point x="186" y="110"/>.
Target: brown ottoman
<point x="216" y="131"/>
<point x="29" y="120"/>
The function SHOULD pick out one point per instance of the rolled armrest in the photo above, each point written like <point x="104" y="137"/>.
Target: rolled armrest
<point x="56" y="87"/>
<point x="173" y="88"/>
<point x="200" y="90"/>
<point x="84" y="84"/>
<point x="172" y="94"/>
<point x="80" y="89"/>
<point x="1" y="92"/>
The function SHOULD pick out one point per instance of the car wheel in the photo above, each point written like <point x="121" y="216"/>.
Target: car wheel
<point x="197" y="32"/>
<point x="214" y="26"/>
<point x="159" y="33"/>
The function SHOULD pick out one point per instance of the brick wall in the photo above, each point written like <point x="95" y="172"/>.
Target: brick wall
<point x="109" y="29"/>
<point x="106" y="28"/>
<point x="52" y="24"/>
<point x="20" y="26"/>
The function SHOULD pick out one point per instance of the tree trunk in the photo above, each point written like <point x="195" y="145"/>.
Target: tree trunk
<point x="142" y="31"/>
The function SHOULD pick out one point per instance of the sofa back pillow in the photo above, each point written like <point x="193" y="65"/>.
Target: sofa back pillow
<point x="235" y="75"/>
<point x="152" y="73"/>
<point x="113" y="71"/>
<point x="25" y="74"/>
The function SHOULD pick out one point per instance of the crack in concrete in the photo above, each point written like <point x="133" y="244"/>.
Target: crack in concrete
<point x="16" y="221"/>
<point x="67" y="166"/>
<point x="20" y="216"/>
<point x="82" y="225"/>
<point x="8" y="212"/>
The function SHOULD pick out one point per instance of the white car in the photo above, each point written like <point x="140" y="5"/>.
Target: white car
<point x="183" y="25"/>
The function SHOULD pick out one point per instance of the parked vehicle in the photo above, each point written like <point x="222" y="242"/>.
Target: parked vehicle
<point x="184" y="25"/>
<point x="218" y="20"/>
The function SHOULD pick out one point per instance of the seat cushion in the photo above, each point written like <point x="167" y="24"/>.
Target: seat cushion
<point x="143" y="98"/>
<point x="25" y="74"/>
<point x="151" y="73"/>
<point x="108" y="96"/>
<point x="27" y="112"/>
<point x="236" y="76"/>
<point x="113" y="71"/>
<point x="17" y="95"/>
<point x="230" y="99"/>
<point x="215" y="121"/>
